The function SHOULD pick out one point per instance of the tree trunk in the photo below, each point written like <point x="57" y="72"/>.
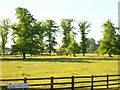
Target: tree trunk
<point x="49" y="53"/>
<point x="110" y="55"/>
<point x="41" y="53"/>
<point x="74" y="55"/>
<point x="3" y="52"/>
<point x="83" y="54"/>
<point x="24" y="56"/>
<point x="66" y="54"/>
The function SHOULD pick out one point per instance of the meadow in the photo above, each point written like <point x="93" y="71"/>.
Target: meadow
<point x="46" y="66"/>
<point x="58" y="66"/>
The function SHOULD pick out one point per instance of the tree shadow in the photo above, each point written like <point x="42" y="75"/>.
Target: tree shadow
<point x="77" y="60"/>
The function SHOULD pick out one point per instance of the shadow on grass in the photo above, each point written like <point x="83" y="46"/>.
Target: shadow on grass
<point x="84" y="60"/>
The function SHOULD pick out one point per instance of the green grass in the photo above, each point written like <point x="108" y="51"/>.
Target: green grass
<point x="46" y="66"/>
<point x="57" y="66"/>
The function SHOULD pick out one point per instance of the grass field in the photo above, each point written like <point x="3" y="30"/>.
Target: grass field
<point x="57" y="66"/>
<point x="46" y="66"/>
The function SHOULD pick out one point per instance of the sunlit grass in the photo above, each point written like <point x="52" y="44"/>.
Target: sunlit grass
<point x="46" y="66"/>
<point x="57" y="66"/>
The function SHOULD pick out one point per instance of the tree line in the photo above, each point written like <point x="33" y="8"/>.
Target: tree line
<point x="33" y="37"/>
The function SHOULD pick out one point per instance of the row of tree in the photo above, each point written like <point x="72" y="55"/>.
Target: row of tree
<point x="33" y="37"/>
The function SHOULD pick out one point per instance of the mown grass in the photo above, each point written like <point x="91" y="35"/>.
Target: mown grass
<point x="57" y="66"/>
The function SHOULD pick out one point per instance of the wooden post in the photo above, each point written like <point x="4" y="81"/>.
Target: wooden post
<point x="107" y="80"/>
<point x="52" y="81"/>
<point x="92" y="82"/>
<point x="25" y="81"/>
<point x="72" y="83"/>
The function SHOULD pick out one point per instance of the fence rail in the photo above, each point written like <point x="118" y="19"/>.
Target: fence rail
<point x="71" y="81"/>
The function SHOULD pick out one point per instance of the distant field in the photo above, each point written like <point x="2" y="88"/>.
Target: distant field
<point x="46" y="66"/>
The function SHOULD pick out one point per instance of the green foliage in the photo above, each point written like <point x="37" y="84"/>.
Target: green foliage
<point x="83" y="26"/>
<point x="50" y="33"/>
<point x="23" y="32"/>
<point x="73" y="46"/>
<point x="67" y="27"/>
<point x="39" y="36"/>
<point x="32" y="37"/>
<point x="0" y="48"/>
<point x="108" y="43"/>
<point x="91" y="45"/>
<point x="60" y="51"/>
<point x="4" y="30"/>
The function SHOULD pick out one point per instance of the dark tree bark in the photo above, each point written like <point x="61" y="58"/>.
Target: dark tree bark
<point x="110" y="55"/>
<point x="74" y="55"/>
<point x="24" y="56"/>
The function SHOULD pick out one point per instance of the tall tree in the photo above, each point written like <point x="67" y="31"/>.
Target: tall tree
<point x="107" y="45"/>
<point x="83" y="27"/>
<point x="50" y="33"/>
<point x="39" y="36"/>
<point x="67" y="27"/>
<point x="4" y="30"/>
<point x="23" y="31"/>
<point x="73" y="46"/>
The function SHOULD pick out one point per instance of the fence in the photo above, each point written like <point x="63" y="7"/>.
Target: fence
<point x="94" y="83"/>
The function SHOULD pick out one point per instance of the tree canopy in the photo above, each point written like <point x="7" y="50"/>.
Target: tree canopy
<point x="38" y="37"/>
<point x="23" y="31"/>
<point x="107" y="45"/>
<point x="83" y="27"/>
<point x="50" y="33"/>
<point x="67" y="27"/>
<point x="4" y="30"/>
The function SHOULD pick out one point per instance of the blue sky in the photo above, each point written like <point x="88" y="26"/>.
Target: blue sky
<point x="95" y="12"/>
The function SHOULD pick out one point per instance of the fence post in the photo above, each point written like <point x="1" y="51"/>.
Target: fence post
<point x="52" y="81"/>
<point x="92" y="82"/>
<point x="72" y="82"/>
<point x="107" y="80"/>
<point x="25" y="81"/>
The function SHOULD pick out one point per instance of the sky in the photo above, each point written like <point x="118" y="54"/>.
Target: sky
<point x="96" y="12"/>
